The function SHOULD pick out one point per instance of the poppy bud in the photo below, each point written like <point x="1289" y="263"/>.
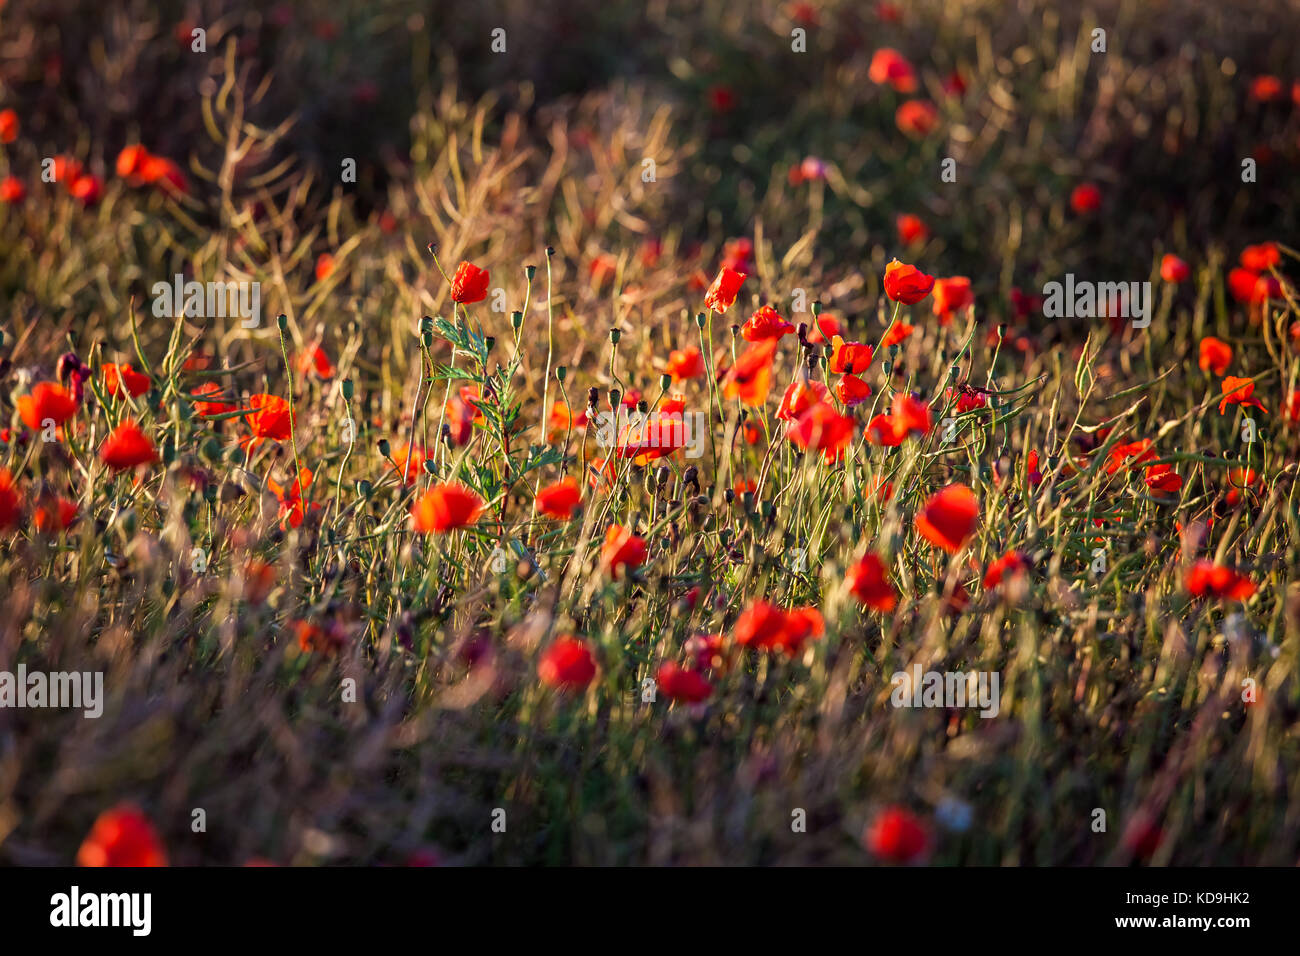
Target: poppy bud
<point x="347" y="389"/>
<point x="363" y="488"/>
<point x="427" y="340"/>
<point x="886" y="367"/>
<point x="530" y="271"/>
<point x="431" y="467"/>
<point x="643" y="406"/>
<point x="516" y="319"/>
<point x="384" y="448"/>
<point x="489" y="341"/>
<point x="593" y="397"/>
<point x="426" y="325"/>
<point x="615" y="396"/>
<point x="562" y="372"/>
<point x="282" y="321"/>
<point x="663" y="475"/>
<point x="729" y="496"/>
<point x="433" y="248"/>
<point x="953" y="371"/>
<point x="725" y="536"/>
<point x="615" y="335"/>
<point x="699" y="319"/>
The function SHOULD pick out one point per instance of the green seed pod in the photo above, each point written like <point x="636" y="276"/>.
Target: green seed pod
<point x="615" y="396"/>
<point x="615" y="335"/>
<point x="347" y="389"/>
<point x="817" y="307"/>
<point x="562" y="372"/>
<point x="426" y="324"/>
<point x="384" y="448"/>
<point x="699" y="319"/>
<point x="516" y="319"/>
<point x="427" y="340"/>
<point x="530" y="271"/>
<point x="282" y="321"/>
<point x="664" y="381"/>
<point x="363" y="488"/>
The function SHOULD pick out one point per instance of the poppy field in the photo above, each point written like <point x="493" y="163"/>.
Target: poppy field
<point x="821" y="434"/>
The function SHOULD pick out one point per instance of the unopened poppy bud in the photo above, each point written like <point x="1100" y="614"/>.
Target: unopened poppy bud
<point x="893" y="351"/>
<point x="817" y="307"/>
<point x="643" y="406"/>
<point x="431" y="467"/>
<point x="347" y="389"/>
<point x="593" y="397"/>
<point x="282" y="321"/>
<point x="516" y="319"/>
<point x="433" y="248"/>
<point x="562" y="372"/>
<point x="729" y="496"/>
<point x="426" y="325"/>
<point x="664" y="381"/>
<point x="887" y="367"/>
<point x="384" y="448"/>
<point x="615" y="335"/>
<point x="615" y="396"/>
<point x="363" y="488"/>
<point x="699" y="319"/>
<point x="530" y="271"/>
<point x="954" y="371"/>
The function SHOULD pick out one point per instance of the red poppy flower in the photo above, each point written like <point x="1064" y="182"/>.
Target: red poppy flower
<point x="131" y="160"/>
<point x="567" y="665"/>
<point x="1239" y="391"/>
<point x="11" y="502"/>
<point x="896" y="835"/>
<point x="1261" y="257"/>
<point x="47" y="402"/>
<point x="1216" y="355"/>
<point x="888" y="66"/>
<point x="127" y="446"/>
<point x="118" y="376"/>
<point x="269" y="417"/>
<point x="851" y="390"/>
<point x="1173" y="269"/>
<point x="601" y="268"/>
<point x="951" y="296"/>
<point x="821" y="428"/>
<point x="291" y="504"/>
<point x="122" y="836"/>
<point x="653" y="439"/>
<point x="1163" y="478"/>
<point x="54" y="514"/>
<point x="313" y="359"/>
<point x="12" y="190"/>
<point x="907" y="415"/>
<point x="1264" y="89"/>
<point x="622" y="551"/>
<point x="1241" y="284"/>
<point x="1292" y="407"/>
<point x="210" y="408"/>
<point x="1032" y="474"/>
<point x="896" y="334"/>
<point x="1085" y="198"/>
<point x="324" y="266"/>
<point x="674" y="404"/>
<point x="562" y="420"/>
<point x="470" y="283"/>
<point x="750" y="379"/>
<point x="911" y="229"/>
<point x="314" y="639"/>
<point x="680" y="684"/>
<point x="848" y="358"/>
<point x="722" y="294"/>
<point x="867" y="583"/>
<point x="1207" y="579"/>
<point x="1140" y="451"/>
<point x="917" y="118"/>
<point x="157" y="170"/>
<point x="446" y="507"/>
<point x="905" y="283"/>
<point x="9" y="126"/>
<point x="88" y="189"/>
<point x="722" y="99"/>
<point x="824" y="328"/>
<point x="766" y="323"/>
<point x="1240" y="481"/>
<point x="707" y="651"/>
<point x="560" y="500"/>
<point x="949" y="517"/>
<point x="801" y="395"/>
<point x="685" y="364"/>
<point x="967" y="400"/>
<point x="1011" y="564"/>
